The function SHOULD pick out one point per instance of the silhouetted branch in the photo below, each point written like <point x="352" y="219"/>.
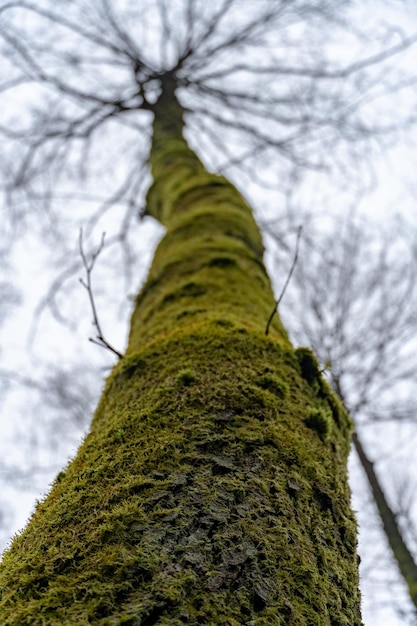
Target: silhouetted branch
<point x="290" y="273"/>
<point x="99" y="340"/>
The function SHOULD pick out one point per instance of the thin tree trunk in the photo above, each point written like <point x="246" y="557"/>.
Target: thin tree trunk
<point x="400" y="551"/>
<point x="212" y="486"/>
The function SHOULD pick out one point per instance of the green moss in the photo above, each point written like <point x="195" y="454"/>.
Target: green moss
<point x="320" y="420"/>
<point x="222" y="261"/>
<point x="186" y="377"/>
<point x="212" y="504"/>
<point x="273" y="384"/>
<point x="309" y="366"/>
<point x="60" y="476"/>
<point x="328" y="401"/>
<point x="199" y="495"/>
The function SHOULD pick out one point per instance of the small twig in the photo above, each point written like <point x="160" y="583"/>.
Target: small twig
<point x="271" y="317"/>
<point x="88" y="266"/>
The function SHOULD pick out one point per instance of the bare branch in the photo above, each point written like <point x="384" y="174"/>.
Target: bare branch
<point x="290" y="273"/>
<point x="89" y="266"/>
<point x="312" y="72"/>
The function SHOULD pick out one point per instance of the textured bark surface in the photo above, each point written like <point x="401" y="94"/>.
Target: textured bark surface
<point x="212" y="486"/>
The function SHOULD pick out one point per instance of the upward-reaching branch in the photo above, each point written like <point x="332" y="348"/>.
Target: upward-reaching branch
<point x="89" y="266"/>
<point x="281" y="295"/>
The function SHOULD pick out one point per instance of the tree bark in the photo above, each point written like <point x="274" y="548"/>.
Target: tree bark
<point x="212" y="486"/>
<point x="392" y="530"/>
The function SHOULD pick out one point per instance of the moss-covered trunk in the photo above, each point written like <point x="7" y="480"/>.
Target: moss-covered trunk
<point x="211" y="488"/>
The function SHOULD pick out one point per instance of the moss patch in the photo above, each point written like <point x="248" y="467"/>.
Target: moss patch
<point x="202" y="494"/>
<point x="320" y="421"/>
<point x="198" y="497"/>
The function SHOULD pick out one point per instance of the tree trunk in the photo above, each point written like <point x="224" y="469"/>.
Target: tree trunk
<point x="401" y="553"/>
<point x="212" y="486"/>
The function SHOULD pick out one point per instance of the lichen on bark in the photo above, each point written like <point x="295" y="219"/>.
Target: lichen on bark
<point x="204" y="493"/>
